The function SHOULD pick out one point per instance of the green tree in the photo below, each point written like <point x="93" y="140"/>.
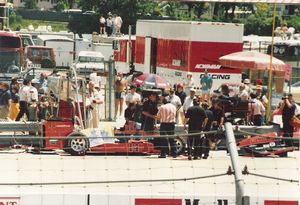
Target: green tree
<point x="61" y="5"/>
<point x="30" y="4"/>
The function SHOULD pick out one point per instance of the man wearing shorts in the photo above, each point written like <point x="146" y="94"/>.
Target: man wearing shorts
<point x="206" y="84"/>
<point x="121" y="87"/>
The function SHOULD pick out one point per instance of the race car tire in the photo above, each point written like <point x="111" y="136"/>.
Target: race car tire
<point x="180" y="146"/>
<point x="76" y="144"/>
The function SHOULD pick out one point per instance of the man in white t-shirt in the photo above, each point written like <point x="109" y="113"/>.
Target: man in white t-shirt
<point x="188" y="102"/>
<point x="118" y="24"/>
<point x="23" y="94"/>
<point x="132" y="96"/>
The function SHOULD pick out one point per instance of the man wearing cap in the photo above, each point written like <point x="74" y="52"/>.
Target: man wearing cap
<point x="95" y="101"/>
<point x="261" y="96"/>
<point x="288" y="112"/>
<point x="188" y="102"/>
<point x="133" y="96"/>
<point x="32" y="100"/>
<point x="206" y="84"/>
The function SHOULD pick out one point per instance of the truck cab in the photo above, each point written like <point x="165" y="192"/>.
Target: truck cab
<point x="42" y="55"/>
<point x="89" y="61"/>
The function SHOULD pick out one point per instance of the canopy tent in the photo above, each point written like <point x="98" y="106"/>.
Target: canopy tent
<point x="249" y="1"/>
<point x="252" y="60"/>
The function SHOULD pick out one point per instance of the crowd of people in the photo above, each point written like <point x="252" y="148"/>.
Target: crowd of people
<point x="110" y="26"/>
<point x="197" y="110"/>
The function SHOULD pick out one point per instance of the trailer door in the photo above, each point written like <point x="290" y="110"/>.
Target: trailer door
<point x="150" y="55"/>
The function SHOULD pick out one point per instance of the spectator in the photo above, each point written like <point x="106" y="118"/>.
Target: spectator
<point x="23" y="95"/>
<point x="32" y="100"/>
<point x="149" y="113"/>
<point x="15" y="106"/>
<point x="247" y="84"/>
<point x="113" y="25"/>
<point x="243" y="93"/>
<point x="189" y="83"/>
<point x="108" y="25"/>
<point x="167" y="117"/>
<point x="261" y="96"/>
<point x="206" y="84"/>
<point x="5" y="100"/>
<point x="133" y="96"/>
<point x="175" y="100"/>
<point x="43" y="83"/>
<point x="121" y="87"/>
<point x="118" y="24"/>
<point x="205" y="140"/>
<point x="188" y="102"/>
<point x="288" y="112"/>
<point x="256" y="110"/>
<point x="182" y="95"/>
<point x="196" y="119"/>
<point x="14" y="82"/>
<point x="95" y="101"/>
<point x="102" y="25"/>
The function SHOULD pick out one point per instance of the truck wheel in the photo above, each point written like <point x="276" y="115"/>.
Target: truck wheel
<point x="77" y="144"/>
<point x="180" y="146"/>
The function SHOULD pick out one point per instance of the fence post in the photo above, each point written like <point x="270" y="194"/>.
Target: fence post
<point x="239" y="182"/>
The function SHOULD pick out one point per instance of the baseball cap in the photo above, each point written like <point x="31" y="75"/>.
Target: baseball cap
<point x="189" y="73"/>
<point x="132" y="87"/>
<point x="192" y="90"/>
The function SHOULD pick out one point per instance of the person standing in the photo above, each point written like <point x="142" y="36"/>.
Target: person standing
<point x="113" y="25"/>
<point x="189" y="83"/>
<point x="288" y="112"/>
<point x="108" y="24"/>
<point x="256" y="110"/>
<point x="95" y="101"/>
<point x="5" y="101"/>
<point x="118" y="24"/>
<point x="167" y="117"/>
<point x="149" y="113"/>
<point x="188" y="102"/>
<point x="206" y="85"/>
<point x="32" y="100"/>
<point x="182" y="95"/>
<point x="205" y="140"/>
<point x="133" y="96"/>
<point x="15" y="107"/>
<point x="23" y="95"/>
<point x="120" y="87"/>
<point x="196" y="119"/>
<point x="175" y="100"/>
<point x="102" y="25"/>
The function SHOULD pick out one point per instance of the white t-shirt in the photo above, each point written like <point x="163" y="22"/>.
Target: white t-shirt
<point x="24" y="92"/>
<point x="118" y="21"/>
<point x="133" y="98"/>
<point x="174" y="100"/>
<point x="102" y="20"/>
<point x="188" y="102"/>
<point x="32" y="94"/>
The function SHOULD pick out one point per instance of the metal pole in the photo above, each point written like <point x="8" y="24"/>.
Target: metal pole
<point x="239" y="182"/>
<point x="271" y="67"/>
<point x="110" y="90"/>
